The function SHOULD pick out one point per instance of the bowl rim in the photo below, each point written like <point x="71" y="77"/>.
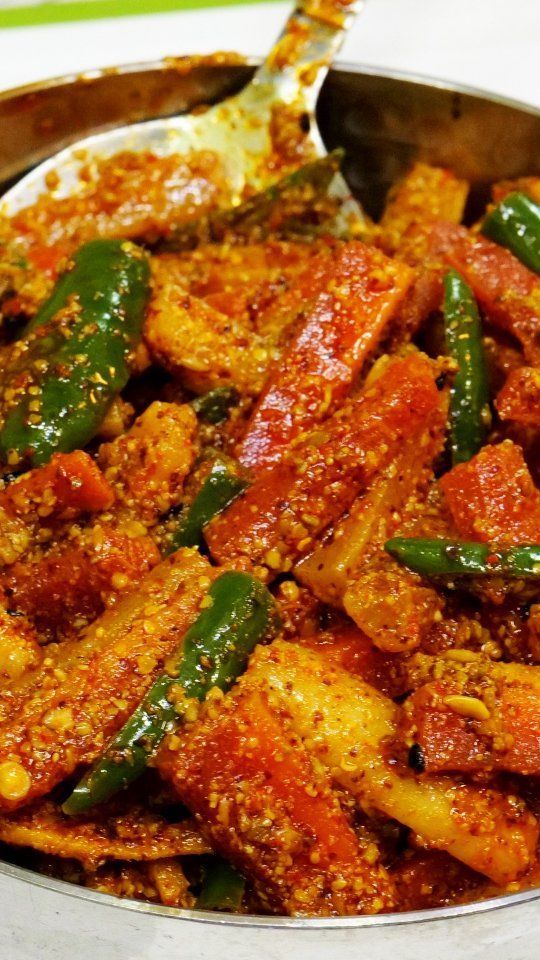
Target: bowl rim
<point x="167" y="64"/>
<point x="386" y="920"/>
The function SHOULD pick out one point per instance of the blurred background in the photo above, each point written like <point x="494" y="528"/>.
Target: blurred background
<point x="494" y="44"/>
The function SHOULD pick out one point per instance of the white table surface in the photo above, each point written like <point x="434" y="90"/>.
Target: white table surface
<point x="493" y="44"/>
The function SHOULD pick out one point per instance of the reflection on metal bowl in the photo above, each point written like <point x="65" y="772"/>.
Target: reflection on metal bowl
<point x="384" y="121"/>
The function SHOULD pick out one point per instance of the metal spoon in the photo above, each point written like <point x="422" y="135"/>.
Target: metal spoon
<point x="282" y="97"/>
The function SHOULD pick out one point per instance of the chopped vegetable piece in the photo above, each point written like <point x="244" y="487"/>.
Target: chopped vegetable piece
<point x="74" y="353"/>
<point x="69" y="485"/>
<point x="475" y="714"/>
<point x="349" y="726"/>
<point x="451" y="558"/>
<point x="493" y="498"/>
<point x="221" y="486"/>
<point x="223" y="887"/>
<point x="239" y="614"/>
<point x="426" y="193"/>
<point x="35" y="503"/>
<point x="515" y="223"/>
<point x="170" y="882"/>
<point x="64" y="588"/>
<point x="519" y="399"/>
<point x="469" y="404"/>
<point x="132" y="834"/>
<point x="148" y="464"/>
<point x="266" y="807"/>
<point x="60" y="716"/>
<point x="391" y="605"/>
<point x="125" y="195"/>
<point x="355" y="291"/>
<point x="190" y="338"/>
<point x="250" y="282"/>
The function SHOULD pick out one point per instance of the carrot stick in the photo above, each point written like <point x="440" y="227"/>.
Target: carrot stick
<point x="263" y="806"/>
<point x="352" y="293"/>
<point x="278" y="518"/>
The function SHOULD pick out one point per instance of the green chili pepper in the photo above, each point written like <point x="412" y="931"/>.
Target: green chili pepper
<point x="515" y="223"/>
<point x="213" y="407"/>
<point x="213" y="653"/>
<point x="298" y="204"/>
<point x="221" y="486"/>
<point x="223" y="887"/>
<point x="455" y="558"/>
<point x="72" y="358"/>
<point x="469" y="404"/>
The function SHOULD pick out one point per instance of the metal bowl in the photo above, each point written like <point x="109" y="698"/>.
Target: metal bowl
<point x="384" y="120"/>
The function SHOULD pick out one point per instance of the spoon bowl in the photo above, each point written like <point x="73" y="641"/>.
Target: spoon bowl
<point x="263" y="132"/>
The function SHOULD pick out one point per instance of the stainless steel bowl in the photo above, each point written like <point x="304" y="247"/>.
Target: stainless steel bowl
<point x="384" y="121"/>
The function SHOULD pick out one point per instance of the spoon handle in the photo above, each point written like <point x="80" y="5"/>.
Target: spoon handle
<point x="296" y="66"/>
